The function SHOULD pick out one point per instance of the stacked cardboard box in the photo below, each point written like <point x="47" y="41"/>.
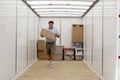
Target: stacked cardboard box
<point x="41" y="45"/>
<point x="41" y="53"/>
<point x="77" y="33"/>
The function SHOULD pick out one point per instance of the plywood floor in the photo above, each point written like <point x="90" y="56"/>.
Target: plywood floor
<point x="63" y="70"/>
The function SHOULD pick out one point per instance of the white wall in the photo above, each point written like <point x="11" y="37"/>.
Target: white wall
<point x="110" y="39"/>
<point x="104" y="38"/>
<point x="26" y="36"/>
<point x="89" y="49"/>
<point x="17" y="23"/>
<point x="7" y="38"/>
<point x="63" y="24"/>
<point x="36" y="37"/>
<point x="31" y="22"/>
<point x="22" y="12"/>
<point x="97" y="37"/>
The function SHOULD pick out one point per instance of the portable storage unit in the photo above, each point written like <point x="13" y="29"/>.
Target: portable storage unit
<point x="22" y="20"/>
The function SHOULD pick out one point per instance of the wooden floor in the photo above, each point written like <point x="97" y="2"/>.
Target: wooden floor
<point x="63" y="70"/>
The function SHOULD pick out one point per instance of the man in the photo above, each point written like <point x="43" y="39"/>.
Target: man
<point x="51" y="43"/>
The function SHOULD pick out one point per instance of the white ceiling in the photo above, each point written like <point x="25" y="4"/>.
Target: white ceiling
<point x="58" y="8"/>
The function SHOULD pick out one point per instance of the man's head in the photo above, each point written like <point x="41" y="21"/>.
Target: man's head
<point x="51" y="24"/>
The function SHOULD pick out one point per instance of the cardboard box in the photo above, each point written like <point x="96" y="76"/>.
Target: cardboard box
<point x="42" y="55"/>
<point x="77" y="33"/>
<point x="41" y="45"/>
<point x="43" y="58"/>
<point x="47" y="34"/>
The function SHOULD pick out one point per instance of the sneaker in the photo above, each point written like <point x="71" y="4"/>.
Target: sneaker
<point x="49" y="63"/>
<point x="52" y="65"/>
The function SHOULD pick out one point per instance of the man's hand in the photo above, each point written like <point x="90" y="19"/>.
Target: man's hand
<point x="42" y="36"/>
<point x="57" y="35"/>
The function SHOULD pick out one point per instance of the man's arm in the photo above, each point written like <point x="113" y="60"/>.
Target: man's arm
<point x="57" y="35"/>
<point x="41" y="35"/>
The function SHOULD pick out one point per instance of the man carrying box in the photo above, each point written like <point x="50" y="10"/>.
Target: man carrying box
<point x="51" y="43"/>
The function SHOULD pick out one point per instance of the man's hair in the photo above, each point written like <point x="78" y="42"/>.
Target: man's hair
<point x="51" y="22"/>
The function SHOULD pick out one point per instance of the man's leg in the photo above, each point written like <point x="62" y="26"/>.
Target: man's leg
<point x="52" y="56"/>
<point x="49" y="57"/>
<point x="48" y="51"/>
<point x="52" y="60"/>
<point x="49" y="54"/>
<point x="53" y="50"/>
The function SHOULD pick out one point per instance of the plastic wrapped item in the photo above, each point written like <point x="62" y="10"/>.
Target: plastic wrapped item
<point x="59" y="49"/>
<point x="58" y="57"/>
<point x="69" y="57"/>
<point x="79" y="51"/>
<point x="79" y="57"/>
<point x="77" y="44"/>
<point x="69" y="52"/>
